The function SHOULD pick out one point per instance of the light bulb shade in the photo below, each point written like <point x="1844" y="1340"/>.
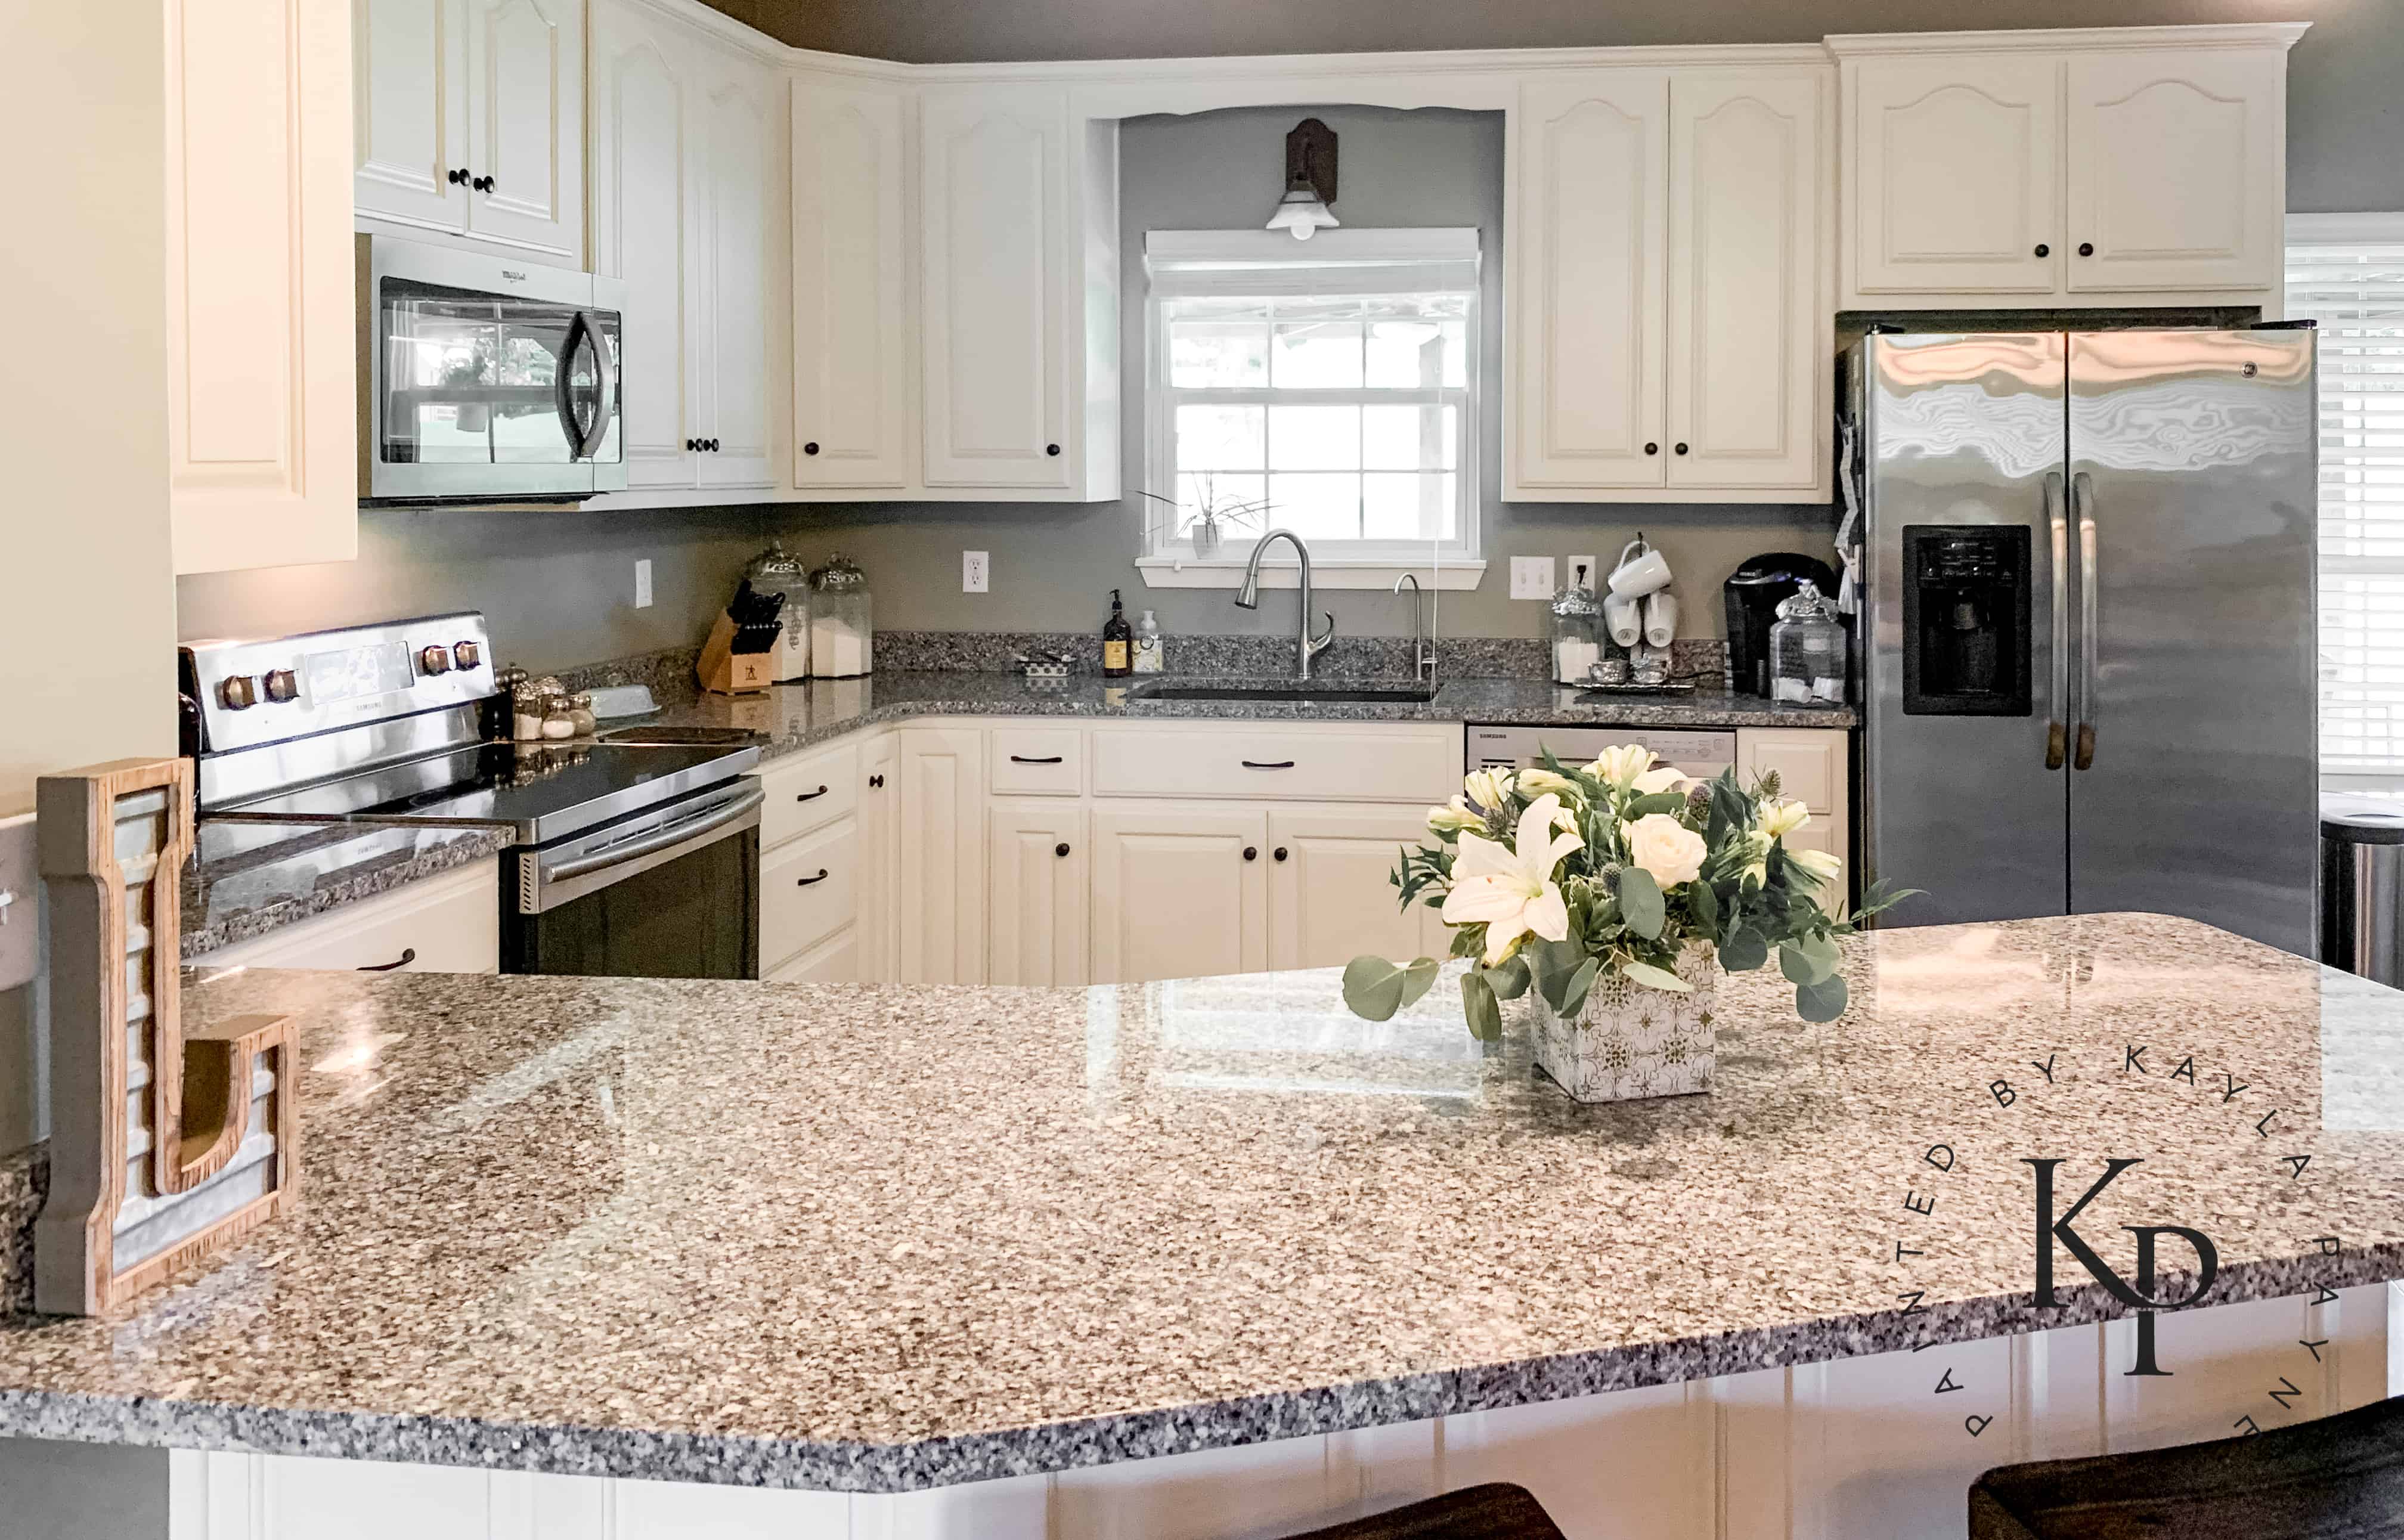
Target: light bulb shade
<point x="1302" y="213"/>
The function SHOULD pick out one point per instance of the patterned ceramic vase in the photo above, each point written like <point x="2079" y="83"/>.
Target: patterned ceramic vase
<point x="1631" y="1042"/>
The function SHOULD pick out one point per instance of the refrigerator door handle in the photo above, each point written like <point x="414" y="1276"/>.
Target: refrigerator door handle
<point x="2057" y="700"/>
<point x="2082" y="498"/>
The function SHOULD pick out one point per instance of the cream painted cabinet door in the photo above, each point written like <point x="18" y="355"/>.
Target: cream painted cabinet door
<point x="1748" y="319"/>
<point x="643" y="96"/>
<point x="995" y="303"/>
<point x="1953" y="181"/>
<point x="726" y="310"/>
<point x="851" y="369"/>
<point x="526" y="123"/>
<point x="880" y="859"/>
<point x="1331" y="899"/>
<point x="410" y="116"/>
<point x="1586" y="402"/>
<point x="2175" y="179"/>
<point x="1036" y="883"/>
<point x="940" y="898"/>
<point x="263" y="424"/>
<point x="1180" y="891"/>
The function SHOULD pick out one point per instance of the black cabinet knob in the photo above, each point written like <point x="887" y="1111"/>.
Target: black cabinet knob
<point x="1652" y="449"/>
<point x="457" y="177"/>
<point x="810" y="448"/>
<point x="713" y="446"/>
<point x="1051" y="449"/>
<point x="2087" y="248"/>
<point x="1252" y="853"/>
<point x="1682" y="449"/>
<point x="691" y="445"/>
<point x="2044" y="250"/>
<point x="876" y="781"/>
<point x="1061" y="848"/>
<point x="1279" y="852"/>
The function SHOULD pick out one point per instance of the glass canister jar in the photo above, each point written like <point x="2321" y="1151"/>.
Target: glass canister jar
<point x="1807" y="650"/>
<point x="775" y="571"/>
<point x="579" y="714"/>
<point x="1577" y="630"/>
<point x="842" y="631"/>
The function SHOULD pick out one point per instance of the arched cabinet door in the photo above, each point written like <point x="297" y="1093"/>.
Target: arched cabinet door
<point x="643" y="99"/>
<point x="1955" y="164"/>
<point x="526" y="123"/>
<point x="728" y="307"/>
<point x="851" y="373"/>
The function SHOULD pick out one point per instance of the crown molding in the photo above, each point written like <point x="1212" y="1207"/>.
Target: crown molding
<point x="2243" y="34"/>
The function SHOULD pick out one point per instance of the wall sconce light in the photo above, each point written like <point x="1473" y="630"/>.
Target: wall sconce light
<point x="1310" y="181"/>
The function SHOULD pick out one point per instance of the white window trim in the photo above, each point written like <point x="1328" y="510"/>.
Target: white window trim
<point x="1356" y="568"/>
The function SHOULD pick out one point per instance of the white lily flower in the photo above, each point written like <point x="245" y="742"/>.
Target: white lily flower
<point x="1661" y="778"/>
<point x="1782" y="818"/>
<point x="1620" y="767"/>
<point x="1489" y="788"/>
<point x="1512" y="892"/>
<point x="1453" y="817"/>
<point x="1817" y="865"/>
<point x="1538" y="782"/>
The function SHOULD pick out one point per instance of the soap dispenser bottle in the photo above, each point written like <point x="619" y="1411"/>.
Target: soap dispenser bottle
<point x="1118" y="642"/>
<point x="1148" y="650"/>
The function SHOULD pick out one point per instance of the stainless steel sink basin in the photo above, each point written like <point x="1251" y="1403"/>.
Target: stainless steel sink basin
<point x="1301" y="691"/>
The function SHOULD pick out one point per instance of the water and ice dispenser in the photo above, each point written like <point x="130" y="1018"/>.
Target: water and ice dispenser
<point x="1965" y="620"/>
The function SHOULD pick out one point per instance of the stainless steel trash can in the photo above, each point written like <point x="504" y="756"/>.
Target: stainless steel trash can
<point x="2362" y="886"/>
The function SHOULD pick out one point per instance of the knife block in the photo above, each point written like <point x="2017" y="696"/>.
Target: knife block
<point x="167" y="1144"/>
<point x="723" y="671"/>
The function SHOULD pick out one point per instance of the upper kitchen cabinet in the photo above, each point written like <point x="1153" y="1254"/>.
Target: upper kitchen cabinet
<point x="682" y="201"/>
<point x="1668" y="286"/>
<point x="1019" y="226"/>
<point x="470" y="121"/>
<point x="852" y="371"/>
<point x="2050" y="167"/>
<point x="261" y="388"/>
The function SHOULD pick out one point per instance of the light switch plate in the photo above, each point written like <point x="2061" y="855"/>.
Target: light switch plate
<point x="643" y="583"/>
<point x="1592" y="580"/>
<point x="975" y="570"/>
<point x="21" y="916"/>
<point x="1531" y="576"/>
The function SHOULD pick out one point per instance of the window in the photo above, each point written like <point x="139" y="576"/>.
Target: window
<point x="1326" y="386"/>
<point x="2346" y="272"/>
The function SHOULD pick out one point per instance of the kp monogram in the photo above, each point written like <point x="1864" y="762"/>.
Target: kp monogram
<point x="2140" y="1296"/>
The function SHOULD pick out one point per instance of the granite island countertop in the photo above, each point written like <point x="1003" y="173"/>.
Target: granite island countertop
<point x="248" y="879"/>
<point x="884" y="1237"/>
<point x="797" y="716"/>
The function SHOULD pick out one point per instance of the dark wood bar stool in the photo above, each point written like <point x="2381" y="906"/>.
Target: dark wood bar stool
<point x="1496" y="1511"/>
<point x="2333" y="1479"/>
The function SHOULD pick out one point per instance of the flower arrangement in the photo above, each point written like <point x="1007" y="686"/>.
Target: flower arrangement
<point x="1553" y="879"/>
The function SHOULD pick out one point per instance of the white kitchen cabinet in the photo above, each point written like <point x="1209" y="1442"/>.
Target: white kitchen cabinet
<point x="1037" y="878"/>
<point x="1331" y="897"/>
<point x="261" y="386"/>
<point x="1668" y="286"/>
<point x="1180" y="891"/>
<point x="941" y="893"/>
<point x="1018" y="213"/>
<point x="471" y="120"/>
<point x="727" y="310"/>
<point x="809" y="890"/>
<point x="1814" y="767"/>
<point x="880" y="859"/>
<point x="852" y="371"/>
<point x="446" y="924"/>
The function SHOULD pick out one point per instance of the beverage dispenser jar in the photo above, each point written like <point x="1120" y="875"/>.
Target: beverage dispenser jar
<point x="1807" y="650"/>
<point x="1577" y="632"/>
<point x="841" y="636"/>
<point x="773" y="572"/>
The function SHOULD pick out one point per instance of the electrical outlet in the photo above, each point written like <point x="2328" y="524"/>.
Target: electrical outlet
<point x="1584" y="572"/>
<point x="643" y="583"/>
<point x="974" y="571"/>
<point x="1531" y="576"/>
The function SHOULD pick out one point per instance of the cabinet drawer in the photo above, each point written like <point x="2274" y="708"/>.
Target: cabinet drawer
<point x="1810" y="762"/>
<point x="834" y="960"/>
<point x="1035" y="761"/>
<point x="808" y="793"/>
<point x="450" y="924"/>
<point x="1317" y="763"/>
<point x="806" y="892"/>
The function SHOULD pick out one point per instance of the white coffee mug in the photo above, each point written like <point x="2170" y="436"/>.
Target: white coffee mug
<point x="1623" y="619"/>
<point x="1660" y="618"/>
<point x="1641" y="570"/>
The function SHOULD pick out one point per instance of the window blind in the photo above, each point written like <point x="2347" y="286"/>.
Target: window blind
<point x="2346" y="273"/>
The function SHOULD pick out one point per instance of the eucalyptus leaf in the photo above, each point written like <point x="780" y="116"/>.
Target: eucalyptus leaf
<point x="1800" y="966"/>
<point x="1658" y="978"/>
<point x="1639" y="901"/>
<point x="1704" y="904"/>
<point x="1376" y="988"/>
<point x="1477" y="1004"/>
<point x="1573" y="998"/>
<point x="1554" y="962"/>
<point x="1821" y="1001"/>
<point x="1743" y="950"/>
<point x="1509" y="981"/>
<point x="1656" y="802"/>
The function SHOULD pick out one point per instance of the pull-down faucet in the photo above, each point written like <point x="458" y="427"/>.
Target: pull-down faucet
<point x="1306" y="646"/>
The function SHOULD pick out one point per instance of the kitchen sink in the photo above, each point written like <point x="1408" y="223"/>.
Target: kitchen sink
<point x="1300" y="691"/>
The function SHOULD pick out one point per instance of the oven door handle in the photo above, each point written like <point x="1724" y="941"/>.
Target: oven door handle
<point x="717" y="816"/>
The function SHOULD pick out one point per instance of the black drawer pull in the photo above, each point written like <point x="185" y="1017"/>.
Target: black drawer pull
<point x="1061" y="848"/>
<point x="810" y="796"/>
<point x="407" y="956"/>
<point x="1257" y="764"/>
<point x="1021" y="759"/>
<point x="811" y="882"/>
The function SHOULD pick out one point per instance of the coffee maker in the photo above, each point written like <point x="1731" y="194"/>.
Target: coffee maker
<point x="1752" y="592"/>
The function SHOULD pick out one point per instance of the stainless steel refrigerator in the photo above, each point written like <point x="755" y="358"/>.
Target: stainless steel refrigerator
<point x="2087" y="665"/>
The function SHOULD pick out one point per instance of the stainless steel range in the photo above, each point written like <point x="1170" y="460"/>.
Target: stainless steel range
<point x="633" y="855"/>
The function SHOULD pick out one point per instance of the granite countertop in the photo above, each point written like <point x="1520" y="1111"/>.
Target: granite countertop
<point x="797" y="716"/>
<point x="246" y="879"/>
<point x="884" y="1237"/>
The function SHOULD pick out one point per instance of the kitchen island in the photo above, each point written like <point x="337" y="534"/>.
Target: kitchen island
<point x="1212" y="1258"/>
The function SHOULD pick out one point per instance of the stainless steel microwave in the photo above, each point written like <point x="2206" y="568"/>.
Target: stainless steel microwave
<point x="485" y="378"/>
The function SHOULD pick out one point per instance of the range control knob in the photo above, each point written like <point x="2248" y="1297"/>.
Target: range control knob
<point x="281" y="684"/>
<point x="239" y="693"/>
<point x="434" y="660"/>
<point x="466" y="654"/>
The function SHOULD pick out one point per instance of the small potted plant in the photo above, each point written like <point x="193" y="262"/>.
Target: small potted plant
<point x="1215" y="514"/>
<point x="1613" y="893"/>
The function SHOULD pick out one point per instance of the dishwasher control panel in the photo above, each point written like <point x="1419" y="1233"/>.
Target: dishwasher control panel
<point x="1702" y="752"/>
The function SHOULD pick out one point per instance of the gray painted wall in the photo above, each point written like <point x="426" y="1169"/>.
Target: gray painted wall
<point x="2345" y="121"/>
<point x="1053" y="564"/>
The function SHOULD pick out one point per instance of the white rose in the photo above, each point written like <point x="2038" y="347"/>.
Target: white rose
<point x="1658" y="842"/>
<point x="1782" y="818"/>
<point x="1535" y="783"/>
<point x="1620" y="767"/>
<point x="1660" y="778"/>
<point x="1489" y="788"/>
<point x="1818" y="866"/>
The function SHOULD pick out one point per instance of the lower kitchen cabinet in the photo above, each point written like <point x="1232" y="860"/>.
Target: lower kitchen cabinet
<point x="1036" y="866"/>
<point x="834" y="960"/>
<point x="1814" y="767"/>
<point x="880" y="859"/>
<point x="447" y="924"/>
<point x="942" y="889"/>
<point x="1330" y="894"/>
<point x="1180" y="891"/>
<point x="809" y="890"/>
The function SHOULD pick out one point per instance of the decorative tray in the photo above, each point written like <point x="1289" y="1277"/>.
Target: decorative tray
<point x="1675" y="687"/>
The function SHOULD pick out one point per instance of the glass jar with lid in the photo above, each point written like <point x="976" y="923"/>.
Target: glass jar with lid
<point x="776" y="571"/>
<point x="1807" y="650"/>
<point x="1578" y="630"/>
<point x="842" y="631"/>
<point x="579" y="713"/>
